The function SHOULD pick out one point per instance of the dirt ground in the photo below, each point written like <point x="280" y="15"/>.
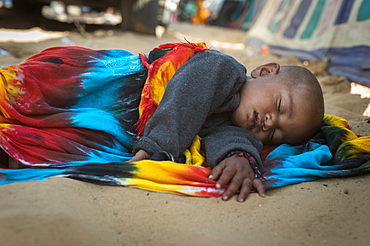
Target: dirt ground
<point x="62" y="211"/>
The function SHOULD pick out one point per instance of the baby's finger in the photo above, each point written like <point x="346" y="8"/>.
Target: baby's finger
<point x="217" y="171"/>
<point x="137" y="158"/>
<point x="245" y="190"/>
<point x="227" y="174"/>
<point x="140" y="155"/>
<point x="258" y="185"/>
<point x="233" y="187"/>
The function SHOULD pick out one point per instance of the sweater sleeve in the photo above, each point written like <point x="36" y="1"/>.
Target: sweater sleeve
<point x="197" y="89"/>
<point x="231" y="138"/>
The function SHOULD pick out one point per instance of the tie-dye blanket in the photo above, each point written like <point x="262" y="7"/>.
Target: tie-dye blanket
<point x="70" y="106"/>
<point x="69" y="112"/>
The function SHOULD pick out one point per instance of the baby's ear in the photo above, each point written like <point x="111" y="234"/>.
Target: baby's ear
<point x="268" y="69"/>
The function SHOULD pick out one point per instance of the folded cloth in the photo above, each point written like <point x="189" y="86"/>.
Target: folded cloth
<point x="69" y="112"/>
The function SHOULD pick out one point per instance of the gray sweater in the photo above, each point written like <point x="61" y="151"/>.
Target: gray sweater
<point x="199" y="99"/>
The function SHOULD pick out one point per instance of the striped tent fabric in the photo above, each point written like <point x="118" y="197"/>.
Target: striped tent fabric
<point x="336" y="30"/>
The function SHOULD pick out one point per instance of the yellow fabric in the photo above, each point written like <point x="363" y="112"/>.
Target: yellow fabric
<point x="193" y="154"/>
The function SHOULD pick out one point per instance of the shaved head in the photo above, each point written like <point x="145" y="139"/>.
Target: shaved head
<point x="302" y="79"/>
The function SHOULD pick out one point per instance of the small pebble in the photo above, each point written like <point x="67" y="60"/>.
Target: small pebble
<point x="345" y="191"/>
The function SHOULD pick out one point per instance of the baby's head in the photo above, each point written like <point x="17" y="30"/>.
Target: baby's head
<point x="280" y="104"/>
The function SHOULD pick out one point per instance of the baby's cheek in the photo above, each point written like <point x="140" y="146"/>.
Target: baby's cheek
<point x="261" y="136"/>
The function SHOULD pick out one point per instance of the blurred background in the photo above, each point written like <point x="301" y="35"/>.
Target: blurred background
<point x="331" y="37"/>
<point x="137" y="15"/>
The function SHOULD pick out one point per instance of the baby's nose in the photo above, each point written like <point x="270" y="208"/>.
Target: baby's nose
<point x="269" y="122"/>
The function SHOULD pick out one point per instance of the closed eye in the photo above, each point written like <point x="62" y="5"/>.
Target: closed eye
<point x="279" y="106"/>
<point x="272" y="135"/>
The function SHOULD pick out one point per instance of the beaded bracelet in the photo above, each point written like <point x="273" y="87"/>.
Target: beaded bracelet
<point x="251" y="160"/>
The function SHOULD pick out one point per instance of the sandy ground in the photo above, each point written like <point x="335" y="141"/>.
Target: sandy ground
<point x="63" y="211"/>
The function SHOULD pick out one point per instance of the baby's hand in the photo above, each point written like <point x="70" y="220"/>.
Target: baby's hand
<point x="140" y="155"/>
<point x="237" y="171"/>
